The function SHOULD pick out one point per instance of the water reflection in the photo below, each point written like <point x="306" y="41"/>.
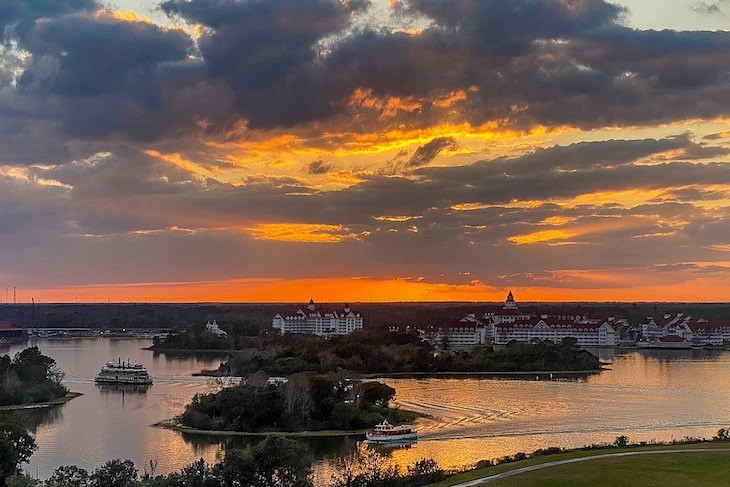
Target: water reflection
<point x="123" y="388"/>
<point x="32" y="419"/>
<point x="646" y="395"/>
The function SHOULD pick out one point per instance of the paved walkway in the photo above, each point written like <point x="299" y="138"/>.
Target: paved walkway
<point x="518" y="471"/>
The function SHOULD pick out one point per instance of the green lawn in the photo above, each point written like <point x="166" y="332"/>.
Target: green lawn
<point x="605" y="469"/>
<point x="682" y="469"/>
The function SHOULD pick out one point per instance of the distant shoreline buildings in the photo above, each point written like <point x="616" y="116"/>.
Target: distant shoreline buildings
<point x="501" y="326"/>
<point x="215" y="329"/>
<point x="10" y="334"/>
<point x="314" y="320"/>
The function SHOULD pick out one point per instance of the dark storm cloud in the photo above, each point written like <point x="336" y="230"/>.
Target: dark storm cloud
<point x="318" y="167"/>
<point x="708" y="8"/>
<point x="98" y="76"/>
<point x="426" y="153"/>
<point x="548" y="62"/>
<point x="81" y="55"/>
<point x="17" y="16"/>
<point x="96" y="90"/>
<point x="284" y="63"/>
<point x="265" y="47"/>
<point x="674" y="267"/>
<point x="582" y="155"/>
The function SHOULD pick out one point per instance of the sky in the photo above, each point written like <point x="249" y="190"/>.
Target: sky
<point x="364" y="150"/>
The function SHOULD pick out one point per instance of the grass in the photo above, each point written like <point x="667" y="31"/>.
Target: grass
<point x="600" y="470"/>
<point x="681" y="468"/>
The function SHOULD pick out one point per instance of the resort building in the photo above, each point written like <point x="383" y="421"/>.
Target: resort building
<point x="461" y="334"/>
<point x="555" y="328"/>
<point x="512" y="324"/>
<point x="316" y="321"/>
<point x="509" y="313"/>
<point x="675" y="327"/>
<point x="215" y="329"/>
<point x="710" y="333"/>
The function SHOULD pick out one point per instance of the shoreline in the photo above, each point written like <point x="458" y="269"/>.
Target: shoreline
<point x="174" y="425"/>
<point x="438" y="375"/>
<point x="40" y="405"/>
<point x="226" y="351"/>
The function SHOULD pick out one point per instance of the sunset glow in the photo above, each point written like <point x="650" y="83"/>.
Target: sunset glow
<point x="147" y="152"/>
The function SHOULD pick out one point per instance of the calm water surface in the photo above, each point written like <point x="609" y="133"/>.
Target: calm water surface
<point x="649" y="395"/>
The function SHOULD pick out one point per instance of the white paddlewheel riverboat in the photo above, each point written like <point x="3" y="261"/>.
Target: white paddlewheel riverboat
<point x="123" y="373"/>
<point x="387" y="433"/>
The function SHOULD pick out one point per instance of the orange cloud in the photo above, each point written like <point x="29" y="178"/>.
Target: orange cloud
<point x="179" y="161"/>
<point x="302" y="232"/>
<point x="541" y="236"/>
<point x="128" y="16"/>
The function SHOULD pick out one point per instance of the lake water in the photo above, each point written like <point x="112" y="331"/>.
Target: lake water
<point x="648" y="395"/>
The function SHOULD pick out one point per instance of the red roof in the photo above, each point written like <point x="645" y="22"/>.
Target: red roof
<point x="7" y="326"/>
<point x="708" y="325"/>
<point x="552" y="322"/>
<point x="672" y="339"/>
<point x="452" y="324"/>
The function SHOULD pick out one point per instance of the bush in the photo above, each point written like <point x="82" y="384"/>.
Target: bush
<point x="115" y="473"/>
<point x="22" y="480"/>
<point x="621" y="441"/>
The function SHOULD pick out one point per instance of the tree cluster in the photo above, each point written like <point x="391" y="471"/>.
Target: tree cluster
<point x="305" y="402"/>
<point x="29" y="377"/>
<point x="197" y="337"/>
<point x="274" y="462"/>
<point x="391" y="352"/>
<point x="522" y="357"/>
<point x="16" y="447"/>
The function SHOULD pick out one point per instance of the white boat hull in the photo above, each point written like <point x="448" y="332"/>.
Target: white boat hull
<point x="665" y="345"/>
<point x="391" y="438"/>
<point x="122" y="380"/>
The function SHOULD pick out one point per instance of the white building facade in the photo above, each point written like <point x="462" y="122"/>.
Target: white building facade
<point x="464" y="334"/>
<point x="699" y="331"/>
<point x="540" y="328"/>
<point x="215" y="329"/>
<point x="316" y="321"/>
<point x="512" y="324"/>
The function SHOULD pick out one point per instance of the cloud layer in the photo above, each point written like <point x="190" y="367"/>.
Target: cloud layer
<point x="534" y="144"/>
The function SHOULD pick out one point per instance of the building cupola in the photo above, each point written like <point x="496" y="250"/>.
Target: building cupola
<point x="510" y="303"/>
<point x="311" y="306"/>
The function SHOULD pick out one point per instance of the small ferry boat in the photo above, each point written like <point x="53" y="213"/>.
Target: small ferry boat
<point x="670" y="342"/>
<point x="123" y="373"/>
<point x="387" y="433"/>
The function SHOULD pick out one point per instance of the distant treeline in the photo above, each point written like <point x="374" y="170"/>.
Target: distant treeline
<point x="376" y="315"/>
<point x="373" y="351"/>
<point x="29" y="377"/>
